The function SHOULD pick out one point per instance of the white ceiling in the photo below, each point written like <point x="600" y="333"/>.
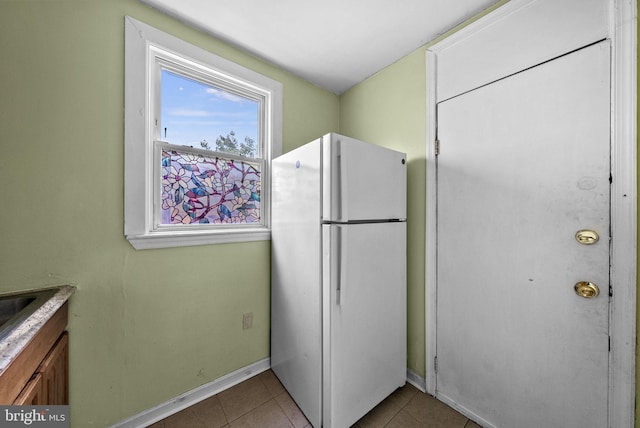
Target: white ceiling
<point x="334" y="44"/>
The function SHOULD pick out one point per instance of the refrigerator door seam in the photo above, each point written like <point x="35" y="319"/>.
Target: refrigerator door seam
<point x="390" y="220"/>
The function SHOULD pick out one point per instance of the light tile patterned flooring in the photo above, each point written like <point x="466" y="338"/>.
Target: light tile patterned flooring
<point x="262" y="402"/>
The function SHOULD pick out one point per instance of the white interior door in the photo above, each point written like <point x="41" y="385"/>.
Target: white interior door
<point x="524" y="165"/>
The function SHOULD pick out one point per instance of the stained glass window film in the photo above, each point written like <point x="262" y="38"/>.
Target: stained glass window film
<point x="202" y="188"/>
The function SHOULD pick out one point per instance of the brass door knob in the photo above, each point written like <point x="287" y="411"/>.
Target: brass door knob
<point x="588" y="290"/>
<point x="587" y="237"/>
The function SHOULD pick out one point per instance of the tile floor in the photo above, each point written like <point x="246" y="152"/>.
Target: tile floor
<point x="262" y="402"/>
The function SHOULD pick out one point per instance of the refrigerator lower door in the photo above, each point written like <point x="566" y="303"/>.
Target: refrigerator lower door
<point x="364" y="318"/>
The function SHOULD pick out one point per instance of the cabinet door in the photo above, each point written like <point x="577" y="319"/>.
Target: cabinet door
<point x="32" y="394"/>
<point x="54" y="373"/>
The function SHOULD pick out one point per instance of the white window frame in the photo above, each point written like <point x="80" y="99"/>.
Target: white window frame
<point x="144" y="45"/>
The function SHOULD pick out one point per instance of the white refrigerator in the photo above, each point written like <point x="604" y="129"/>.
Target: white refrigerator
<point x="338" y="299"/>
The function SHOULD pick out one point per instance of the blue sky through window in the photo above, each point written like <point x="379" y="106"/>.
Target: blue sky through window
<point x="192" y="111"/>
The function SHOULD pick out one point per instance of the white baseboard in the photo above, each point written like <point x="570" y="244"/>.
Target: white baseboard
<point x="194" y="396"/>
<point x="416" y="380"/>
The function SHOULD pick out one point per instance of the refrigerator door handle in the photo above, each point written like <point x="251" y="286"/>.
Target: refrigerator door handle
<point x="341" y="253"/>
<point x="341" y="183"/>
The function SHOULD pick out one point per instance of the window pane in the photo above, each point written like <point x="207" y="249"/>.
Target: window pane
<point x="203" y="116"/>
<point x="208" y="189"/>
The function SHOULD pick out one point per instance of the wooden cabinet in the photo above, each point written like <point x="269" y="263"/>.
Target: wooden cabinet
<point x="50" y="383"/>
<point x="39" y="374"/>
<point x="54" y="371"/>
<point x="32" y="393"/>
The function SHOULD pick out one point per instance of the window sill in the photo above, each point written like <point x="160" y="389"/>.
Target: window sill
<point x="186" y="239"/>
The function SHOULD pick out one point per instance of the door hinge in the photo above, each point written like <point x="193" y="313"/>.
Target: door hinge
<point x="435" y="364"/>
<point x="436" y="147"/>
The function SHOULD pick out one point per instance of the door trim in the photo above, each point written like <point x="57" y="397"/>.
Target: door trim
<point x="621" y="29"/>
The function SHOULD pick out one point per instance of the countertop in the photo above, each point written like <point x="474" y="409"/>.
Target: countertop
<point x="12" y="345"/>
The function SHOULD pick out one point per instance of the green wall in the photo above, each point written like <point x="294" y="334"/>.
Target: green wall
<point x="146" y="325"/>
<point x="637" y="423"/>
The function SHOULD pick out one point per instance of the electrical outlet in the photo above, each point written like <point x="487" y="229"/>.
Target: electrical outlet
<point x="247" y="320"/>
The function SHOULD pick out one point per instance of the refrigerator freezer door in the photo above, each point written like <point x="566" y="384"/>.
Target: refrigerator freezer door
<point x="364" y="321"/>
<point x="362" y="181"/>
<point x="296" y="294"/>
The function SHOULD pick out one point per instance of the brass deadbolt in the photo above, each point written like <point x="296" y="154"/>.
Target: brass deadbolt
<point x="588" y="290"/>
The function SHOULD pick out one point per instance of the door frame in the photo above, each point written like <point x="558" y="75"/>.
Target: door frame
<point x="486" y="47"/>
